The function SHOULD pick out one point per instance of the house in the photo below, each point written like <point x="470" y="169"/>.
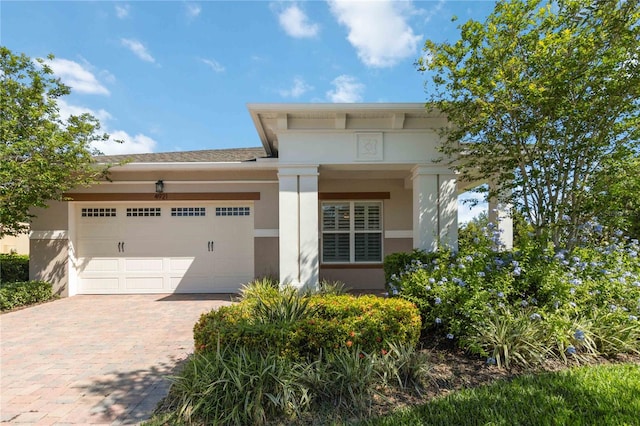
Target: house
<point x="333" y="189"/>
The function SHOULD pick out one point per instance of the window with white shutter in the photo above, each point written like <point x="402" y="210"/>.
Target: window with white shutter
<point x="352" y="232"/>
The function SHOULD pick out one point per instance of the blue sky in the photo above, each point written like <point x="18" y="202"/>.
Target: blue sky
<point x="177" y="75"/>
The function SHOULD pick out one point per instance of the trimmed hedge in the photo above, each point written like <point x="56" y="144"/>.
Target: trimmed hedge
<point x="14" y="295"/>
<point x="14" y="268"/>
<point x="332" y="322"/>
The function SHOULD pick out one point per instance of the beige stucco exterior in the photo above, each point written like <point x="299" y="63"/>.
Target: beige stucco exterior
<point x="386" y="153"/>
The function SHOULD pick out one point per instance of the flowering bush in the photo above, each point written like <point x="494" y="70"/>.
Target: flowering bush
<point x="330" y="322"/>
<point x="597" y="282"/>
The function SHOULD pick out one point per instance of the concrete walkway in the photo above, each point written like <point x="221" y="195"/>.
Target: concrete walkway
<point x="94" y="359"/>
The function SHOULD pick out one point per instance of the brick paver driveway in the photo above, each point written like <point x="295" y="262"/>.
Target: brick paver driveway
<point x="94" y="359"/>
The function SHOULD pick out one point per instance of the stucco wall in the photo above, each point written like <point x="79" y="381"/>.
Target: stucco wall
<point x="397" y="216"/>
<point x="48" y="262"/>
<point x="266" y="255"/>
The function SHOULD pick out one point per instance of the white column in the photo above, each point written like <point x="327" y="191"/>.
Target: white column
<point x="309" y="237"/>
<point x="448" y="211"/>
<point x="298" y="224"/>
<point x="425" y="209"/>
<point x="500" y="215"/>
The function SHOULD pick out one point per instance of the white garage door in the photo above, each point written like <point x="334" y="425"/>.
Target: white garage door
<point x="164" y="248"/>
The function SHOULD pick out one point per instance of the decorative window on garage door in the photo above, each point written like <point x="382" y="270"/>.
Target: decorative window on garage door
<point x="188" y="211"/>
<point x="233" y="211"/>
<point x="143" y="211"/>
<point x="98" y="212"/>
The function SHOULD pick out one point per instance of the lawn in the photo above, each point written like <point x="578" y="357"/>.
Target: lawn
<point x="587" y="395"/>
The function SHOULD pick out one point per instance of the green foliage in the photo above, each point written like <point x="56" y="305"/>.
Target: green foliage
<point x="396" y="263"/>
<point x="602" y="395"/>
<point x="532" y="300"/>
<point x="298" y="326"/>
<point x="544" y="95"/>
<point x="404" y="366"/>
<point x="344" y="379"/>
<point x="14" y="268"/>
<point x="42" y="155"/>
<point x="234" y="385"/>
<point x="14" y="295"/>
<point x="508" y="338"/>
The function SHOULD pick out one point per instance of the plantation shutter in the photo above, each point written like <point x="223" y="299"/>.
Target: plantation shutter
<point x="352" y="232"/>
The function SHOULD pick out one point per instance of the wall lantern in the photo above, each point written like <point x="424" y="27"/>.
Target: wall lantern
<point x="159" y="187"/>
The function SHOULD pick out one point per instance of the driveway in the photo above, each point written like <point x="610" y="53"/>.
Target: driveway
<point x="95" y="359"/>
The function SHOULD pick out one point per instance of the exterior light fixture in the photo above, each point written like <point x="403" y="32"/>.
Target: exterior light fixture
<point x="159" y="187"/>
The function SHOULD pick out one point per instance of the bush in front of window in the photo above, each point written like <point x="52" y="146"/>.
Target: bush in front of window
<point x="310" y="325"/>
<point x="15" y="295"/>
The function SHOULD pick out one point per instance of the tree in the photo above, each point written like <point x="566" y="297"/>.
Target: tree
<point x="42" y="155"/>
<point x="618" y="188"/>
<point x="542" y="98"/>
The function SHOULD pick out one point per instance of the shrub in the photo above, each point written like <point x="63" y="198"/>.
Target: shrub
<point x="598" y="283"/>
<point x="396" y="263"/>
<point x="18" y="294"/>
<point x="303" y="326"/>
<point x="507" y="338"/>
<point x="234" y="385"/>
<point x="344" y="379"/>
<point x="14" y="268"/>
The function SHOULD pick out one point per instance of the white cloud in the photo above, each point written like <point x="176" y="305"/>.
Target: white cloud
<point x="138" y="49"/>
<point x="347" y="89"/>
<point x="296" y="23"/>
<point x="67" y="110"/>
<point x="378" y="30"/>
<point x="122" y="10"/>
<point x="76" y="76"/>
<point x="213" y="64"/>
<point x="131" y="144"/>
<point x="299" y="88"/>
<point x="192" y="10"/>
<point x="137" y="144"/>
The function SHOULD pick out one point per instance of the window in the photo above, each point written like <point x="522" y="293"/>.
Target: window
<point x="233" y="211"/>
<point x="352" y="232"/>
<point x="98" y="212"/>
<point x="143" y="211"/>
<point x="188" y="211"/>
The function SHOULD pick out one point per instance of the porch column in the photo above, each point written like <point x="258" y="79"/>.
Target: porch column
<point x="298" y="222"/>
<point x="500" y="215"/>
<point x="448" y="211"/>
<point x="425" y="208"/>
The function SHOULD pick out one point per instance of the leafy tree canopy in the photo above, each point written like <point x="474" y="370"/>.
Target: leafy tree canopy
<point x="42" y="155"/>
<point x="543" y="99"/>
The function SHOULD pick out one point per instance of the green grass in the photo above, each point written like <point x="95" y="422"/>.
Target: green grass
<point x="602" y="395"/>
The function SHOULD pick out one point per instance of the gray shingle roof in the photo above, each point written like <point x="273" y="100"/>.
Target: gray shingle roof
<point x="204" y="156"/>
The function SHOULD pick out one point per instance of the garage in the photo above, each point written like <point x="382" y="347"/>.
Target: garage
<point x="160" y="247"/>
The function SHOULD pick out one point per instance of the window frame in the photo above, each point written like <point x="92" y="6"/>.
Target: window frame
<point x="352" y="231"/>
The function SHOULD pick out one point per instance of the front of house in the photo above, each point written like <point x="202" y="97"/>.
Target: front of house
<point x="333" y="189"/>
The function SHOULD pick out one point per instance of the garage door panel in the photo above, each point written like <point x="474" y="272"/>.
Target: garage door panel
<point x="100" y="264"/>
<point x="144" y="284"/>
<point x="143" y="265"/>
<point x="100" y="285"/>
<point x="195" y="250"/>
<point x="97" y="247"/>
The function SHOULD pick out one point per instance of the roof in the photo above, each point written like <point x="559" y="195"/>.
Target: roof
<point x="203" y="156"/>
<point x="272" y="118"/>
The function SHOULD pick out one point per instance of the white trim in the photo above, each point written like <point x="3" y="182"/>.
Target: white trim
<point x="263" y="233"/>
<point x="189" y="182"/>
<point x="62" y="234"/>
<point x="192" y="166"/>
<point x="72" y="268"/>
<point x="399" y="234"/>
